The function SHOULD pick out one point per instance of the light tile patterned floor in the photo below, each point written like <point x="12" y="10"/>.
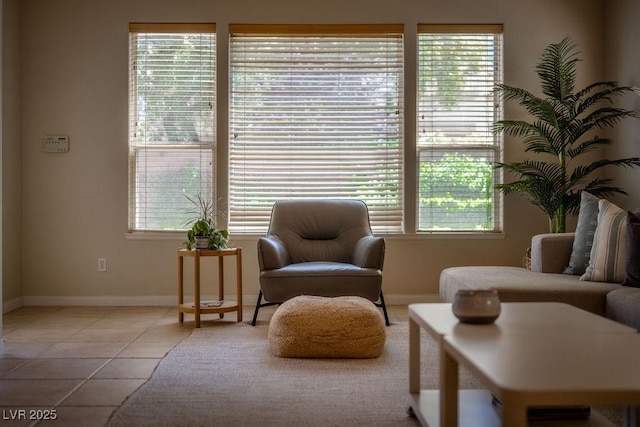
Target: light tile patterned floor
<point x="81" y="363"/>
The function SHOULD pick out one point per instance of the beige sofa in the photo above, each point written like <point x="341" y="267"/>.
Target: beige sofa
<point x="545" y="282"/>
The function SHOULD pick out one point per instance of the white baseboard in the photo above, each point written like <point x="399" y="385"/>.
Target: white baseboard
<point x="171" y="300"/>
<point x="13" y="304"/>
<point x="406" y="299"/>
<point x="102" y="301"/>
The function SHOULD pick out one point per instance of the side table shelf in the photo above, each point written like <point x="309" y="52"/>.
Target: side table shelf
<point x="194" y="307"/>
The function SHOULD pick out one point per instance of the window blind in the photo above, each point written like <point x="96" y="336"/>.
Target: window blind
<point x="315" y="112"/>
<point x="458" y="67"/>
<point x="172" y="123"/>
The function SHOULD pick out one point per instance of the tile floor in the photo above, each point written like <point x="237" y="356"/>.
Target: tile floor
<point x="80" y="363"/>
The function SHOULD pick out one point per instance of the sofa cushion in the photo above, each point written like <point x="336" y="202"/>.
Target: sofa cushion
<point x="585" y="229"/>
<point x="622" y="306"/>
<point x="318" y="327"/>
<point x="607" y="262"/>
<point x="632" y="263"/>
<point x="515" y="284"/>
<point x="327" y="279"/>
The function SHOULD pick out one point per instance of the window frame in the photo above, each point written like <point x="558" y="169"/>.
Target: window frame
<point x="496" y="148"/>
<point x="390" y="31"/>
<point x="409" y="170"/>
<point x="137" y="148"/>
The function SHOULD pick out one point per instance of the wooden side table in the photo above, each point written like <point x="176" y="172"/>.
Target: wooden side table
<point x="195" y="306"/>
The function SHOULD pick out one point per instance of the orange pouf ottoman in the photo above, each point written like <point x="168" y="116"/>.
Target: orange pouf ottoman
<point x="321" y="327"/>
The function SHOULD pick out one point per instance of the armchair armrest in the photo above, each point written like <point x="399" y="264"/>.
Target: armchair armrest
<point x="272" y="254"/>
<point x="369" y="252"/>
<point x="550" y="252"/>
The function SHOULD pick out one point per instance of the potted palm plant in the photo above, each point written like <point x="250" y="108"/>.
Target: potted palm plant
<point x="203" y="234"/>
<point x="564" y="126"/>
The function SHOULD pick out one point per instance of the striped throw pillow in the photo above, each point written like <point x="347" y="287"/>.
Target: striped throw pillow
<point x="608" y="254"/>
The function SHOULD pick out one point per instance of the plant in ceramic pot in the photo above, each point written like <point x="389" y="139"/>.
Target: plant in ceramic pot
<point x="564" y="126"/>
<point x="203" y="234"/>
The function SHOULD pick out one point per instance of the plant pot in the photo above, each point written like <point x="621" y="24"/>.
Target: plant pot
<point x="476" y="306"/>
<point x="202" y="242"/>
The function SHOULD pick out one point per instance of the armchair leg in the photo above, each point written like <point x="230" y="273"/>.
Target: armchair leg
<point x="384" y="309"/>
<point x="255" y="313"/>
<point x="260" y="304"/>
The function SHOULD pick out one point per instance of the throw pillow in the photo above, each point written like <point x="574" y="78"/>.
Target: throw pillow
<point x="607" y="261"/>
<point x="583" y="239"/>
<point x="632" y="264"/>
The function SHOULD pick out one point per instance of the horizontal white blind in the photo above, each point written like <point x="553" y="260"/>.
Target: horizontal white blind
<point x="458" y="67"/>
<point x="172" y="123"/>
<point x="315" y="113"/>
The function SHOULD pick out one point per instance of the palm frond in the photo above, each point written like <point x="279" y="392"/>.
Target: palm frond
<point x="601" y="188"/>
<point x="586" y="146"/>
<point x="572" y="201"/>
<point x="608" y="117"/>
<point x="610" y="90"/>
<point x="510" y="93"/>
<point x="536" y="171"/>
<point x="551" y="137"/>
<point x="516" y="128"/>
<point x="534" y="105"/>
<point x="538" y="137"/>
<point x="539" y="144"/>
<point x="581" y="172"/>
<point x="557" y="69"/>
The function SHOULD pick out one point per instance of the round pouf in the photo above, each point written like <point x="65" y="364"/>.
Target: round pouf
<point x="320" y="327"/>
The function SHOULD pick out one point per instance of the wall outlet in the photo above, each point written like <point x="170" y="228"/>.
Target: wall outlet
<point x="102" y="264"/>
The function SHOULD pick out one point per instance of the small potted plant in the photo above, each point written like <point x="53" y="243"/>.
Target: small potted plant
<point x="203" y="234"/>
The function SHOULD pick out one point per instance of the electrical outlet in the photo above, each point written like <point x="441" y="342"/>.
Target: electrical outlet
<point x="102" y="264"/>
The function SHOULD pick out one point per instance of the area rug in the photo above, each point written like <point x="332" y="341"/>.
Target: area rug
<point x="225" y="375"/>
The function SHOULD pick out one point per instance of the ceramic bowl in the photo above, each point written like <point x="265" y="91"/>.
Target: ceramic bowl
<point x="477" y="306"/>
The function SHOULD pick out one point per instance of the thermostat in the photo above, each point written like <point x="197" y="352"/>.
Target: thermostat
<point x="55" y="144"/>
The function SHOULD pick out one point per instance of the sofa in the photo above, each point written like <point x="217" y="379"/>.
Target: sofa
<point x="546" y="282"/>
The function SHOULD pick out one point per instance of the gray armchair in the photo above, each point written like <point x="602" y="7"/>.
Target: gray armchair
<point x="322" y="248"/>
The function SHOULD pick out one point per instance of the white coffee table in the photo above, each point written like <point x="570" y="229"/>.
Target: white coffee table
<point x="536" y="354"/>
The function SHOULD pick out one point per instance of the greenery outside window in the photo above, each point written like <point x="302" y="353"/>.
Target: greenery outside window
<point x="458" y="68"/>
<point x="171" y="122"/>
<point x="315" y="111"/>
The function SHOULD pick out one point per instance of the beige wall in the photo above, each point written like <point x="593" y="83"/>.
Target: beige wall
<point x="1" y="289"/>
<point x="11" y="150"/>
<point x="622" y="59"/>
<point x="75" y="84"/>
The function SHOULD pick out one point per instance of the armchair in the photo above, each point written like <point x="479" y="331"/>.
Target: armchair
<point x="322" y="248"/>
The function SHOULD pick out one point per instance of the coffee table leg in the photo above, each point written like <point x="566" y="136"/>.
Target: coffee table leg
<point x="414" y="357"/>
<point x="448" y="390"/>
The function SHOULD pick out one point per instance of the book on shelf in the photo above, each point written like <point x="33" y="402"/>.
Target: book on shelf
<point x="210" y="304"/>
<point x="542" y="413"/>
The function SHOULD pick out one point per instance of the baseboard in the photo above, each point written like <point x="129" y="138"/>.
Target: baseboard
<point x="406" y="299"/>
<point x="171" y="300"/>
<point x="12" y="304"/>
<point x="103" y="301"/>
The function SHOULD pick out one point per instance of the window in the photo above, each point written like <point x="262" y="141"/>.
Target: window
<point x="172" y="122"/>
<point x="315" y="111"/>
<point x="458" y="67"/>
